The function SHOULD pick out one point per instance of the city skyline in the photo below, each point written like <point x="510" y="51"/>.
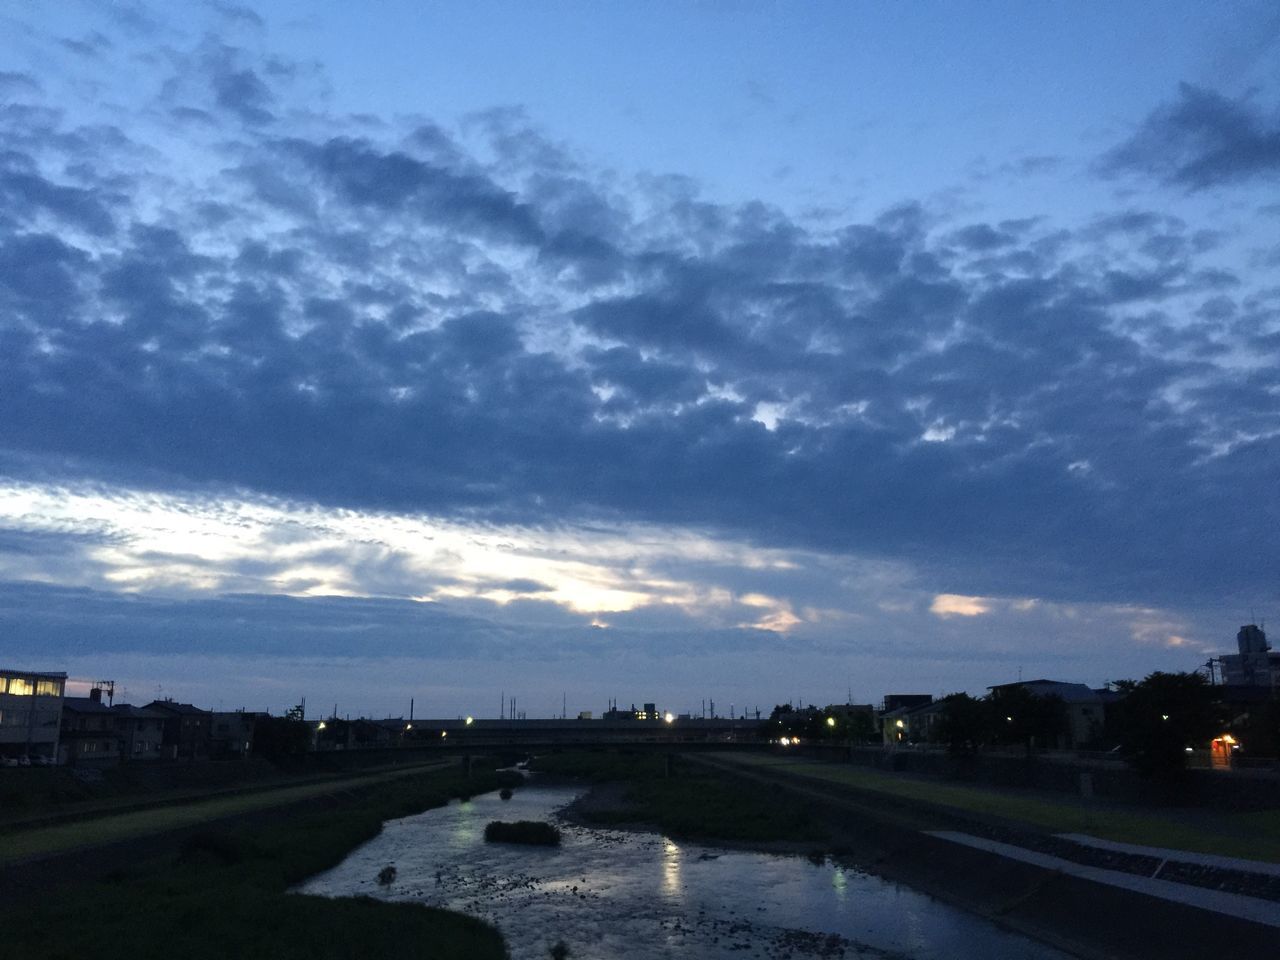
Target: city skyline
<point x="674" y="352"/>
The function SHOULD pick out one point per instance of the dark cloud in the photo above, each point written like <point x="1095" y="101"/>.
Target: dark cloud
<point x="402" y="325"/>
<point x="1202" y="139"/>
<point x="392" y="182"/>
<point x="26" y="194"/>
<point x="14" y="82"/>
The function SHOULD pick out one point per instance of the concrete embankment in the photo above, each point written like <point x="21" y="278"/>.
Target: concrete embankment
<point x="916" y="844"/>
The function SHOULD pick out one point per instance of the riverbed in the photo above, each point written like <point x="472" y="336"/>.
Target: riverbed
<point x="610" y="894"/>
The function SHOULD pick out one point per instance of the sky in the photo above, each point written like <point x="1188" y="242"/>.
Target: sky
<point x="674" y="352"/>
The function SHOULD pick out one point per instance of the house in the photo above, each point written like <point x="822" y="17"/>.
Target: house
<point x="1085" y="707"/>
<point x="911" y="718"/>
<point x="31" y="714"/>
<point x="186" y="729"/>
<point x="88" y="733"/>
<point x="231" y="734"/>
<point x="140" y="733"/>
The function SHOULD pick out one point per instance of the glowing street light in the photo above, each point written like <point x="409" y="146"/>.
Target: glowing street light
<point x="668" y="716"/>
<point x="470" y="720"/>
<point x="831" y="721"/>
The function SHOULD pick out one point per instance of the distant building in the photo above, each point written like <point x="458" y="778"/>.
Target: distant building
<point x="912" y="719"/>
<point x="648" y="711"/>
<point x="1085" y="706"/>
<point x="140" y="733"/>
<point x="1256" y="665"/>
<point x="896" y="701"/>
<point x="231" y="734"/>
<point x="89" y="736"/>
<point x="186" y="729"/>
<point x="31" y="713"/>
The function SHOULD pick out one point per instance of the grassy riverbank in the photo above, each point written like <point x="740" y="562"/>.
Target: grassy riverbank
<point x="222" y="892"/>
<point x="1253" y="836"/>
<point x="690" y="803"/>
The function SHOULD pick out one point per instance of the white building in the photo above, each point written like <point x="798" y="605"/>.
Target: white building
<point x="1256" y="665"/>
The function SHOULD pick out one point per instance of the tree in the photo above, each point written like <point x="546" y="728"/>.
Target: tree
<point x="1021" y="716"/>
<point x="965" y="723"/>
<point x="1163" y="715"/>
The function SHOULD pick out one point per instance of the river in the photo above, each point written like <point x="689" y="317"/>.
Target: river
<point x="615" y="895"/>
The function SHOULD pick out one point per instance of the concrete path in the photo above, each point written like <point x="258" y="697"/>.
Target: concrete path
<point x="1230" y="904"/>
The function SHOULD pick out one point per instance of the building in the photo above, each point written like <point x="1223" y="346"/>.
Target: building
<point x="1256" y="665"/>
<point x="89" y="735"/>
<point x="140" y="732"/>
<point x="186" y="729"/>
<point x="896" y="701"/>
<point x="911" y="721"/>
<point x="31" y="714"/>
<point x="1085" y="707"/>
<point x="231" y="734"/>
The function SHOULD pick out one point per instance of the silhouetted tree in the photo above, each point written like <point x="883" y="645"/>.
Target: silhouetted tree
<point x="1162" y="716"/>
<point x="1021" y="716"/>
<point x="965" y="723"/>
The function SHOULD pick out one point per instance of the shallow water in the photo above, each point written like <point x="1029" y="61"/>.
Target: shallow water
<point x="611" y="895"/>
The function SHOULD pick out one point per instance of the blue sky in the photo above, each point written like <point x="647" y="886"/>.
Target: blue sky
<point x="668" y="351"/>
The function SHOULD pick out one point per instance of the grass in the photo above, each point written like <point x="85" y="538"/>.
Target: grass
<point x="124" y="826"/>
<point x="533" y="832"/>
<point x="224" y="892"/>
<point x="1254" y="836"/>
<point x="694" y="805"/>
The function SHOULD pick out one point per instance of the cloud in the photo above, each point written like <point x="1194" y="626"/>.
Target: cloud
<point x="952" y="605"/>
<point x="1201" y="139"/>
<point x="389" y="319"/>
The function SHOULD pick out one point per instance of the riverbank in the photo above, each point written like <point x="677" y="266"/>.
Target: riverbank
<point x="222" y="890"/>
<point x="906" y="840"/>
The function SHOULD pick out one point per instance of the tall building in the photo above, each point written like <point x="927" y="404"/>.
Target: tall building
<point x="1256" y="665"/>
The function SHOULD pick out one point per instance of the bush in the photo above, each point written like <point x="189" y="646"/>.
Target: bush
<point x="533" y="832"/>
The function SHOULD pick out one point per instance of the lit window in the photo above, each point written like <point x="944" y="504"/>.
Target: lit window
<point x="20" y="687"/>
<point x="48" y="688"/>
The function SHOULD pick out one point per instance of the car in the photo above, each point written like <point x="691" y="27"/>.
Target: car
<point x="9" y="761"/>
<point x="41" y="760"/>
<point x="24" y="761"/>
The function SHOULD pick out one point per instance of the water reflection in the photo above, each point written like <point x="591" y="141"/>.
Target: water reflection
<point x="670" y="869"/>
<point x="612" y="895"/>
